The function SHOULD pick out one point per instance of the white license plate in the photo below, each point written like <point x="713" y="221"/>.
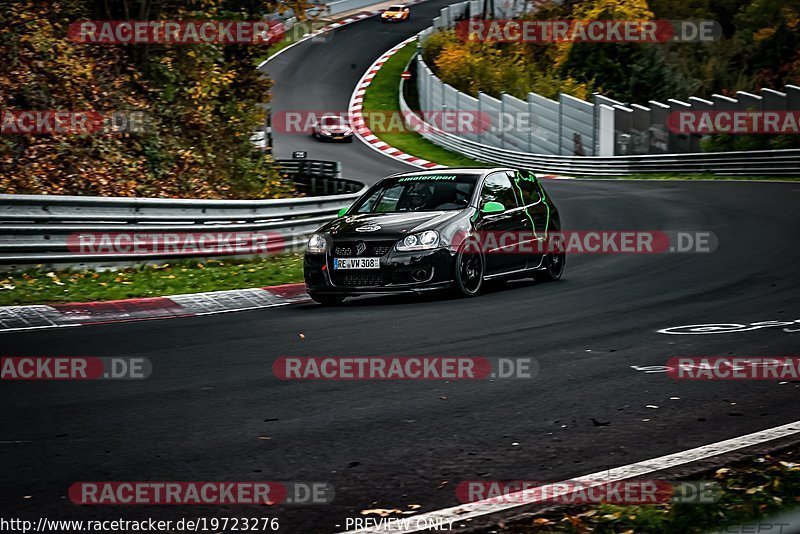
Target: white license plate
<point x="356" y="263"/>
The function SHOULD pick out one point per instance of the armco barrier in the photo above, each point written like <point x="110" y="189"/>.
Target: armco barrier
<point x="34" y="229"/>
<point x="756" y="163"/>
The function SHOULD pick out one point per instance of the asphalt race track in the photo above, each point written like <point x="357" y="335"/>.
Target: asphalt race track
<point x="321" y="76"/>
<point x="389" y="444"/>
<point x="212" y="400"/>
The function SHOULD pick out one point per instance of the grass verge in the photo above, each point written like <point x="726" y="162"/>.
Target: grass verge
<point x="382" y="96"/>
<point x="40" y="286"/>
<point x="752" y="490"/>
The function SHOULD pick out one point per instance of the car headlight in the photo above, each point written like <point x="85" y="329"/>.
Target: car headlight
<point x="317" y="244"/>
<point x="422" y="241"/>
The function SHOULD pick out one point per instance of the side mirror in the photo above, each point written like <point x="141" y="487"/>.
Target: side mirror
<point x="491" y="208"/>
<point x="342" y="212"/>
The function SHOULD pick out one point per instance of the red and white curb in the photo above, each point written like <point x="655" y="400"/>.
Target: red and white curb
<point x="16" y="318"/>
<point x="359" y="126"/>
<point x="355" y="112"/>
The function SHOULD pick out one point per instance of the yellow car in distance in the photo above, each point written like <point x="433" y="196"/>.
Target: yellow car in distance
<point x="396" y="13"/>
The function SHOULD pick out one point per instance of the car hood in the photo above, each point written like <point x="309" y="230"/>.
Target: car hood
<point x="336" y="129"/>
<point x="386" y="225"/>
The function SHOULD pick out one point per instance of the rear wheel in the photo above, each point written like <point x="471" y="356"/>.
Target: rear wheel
<point x="326" y="300"/>
<point x="554" y="267"/>
<point x="469" y="269"/>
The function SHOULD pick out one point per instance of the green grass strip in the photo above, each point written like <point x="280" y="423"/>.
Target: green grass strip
<point x="382" y="96"/>
<point x="39" y="286"/>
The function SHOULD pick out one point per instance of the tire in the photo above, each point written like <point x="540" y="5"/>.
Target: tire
<point x="326" y="300"/>
<point x="469" y="268"/>
<point x="554" y="265"/>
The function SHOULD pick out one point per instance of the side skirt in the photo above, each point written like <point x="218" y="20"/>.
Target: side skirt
<point x="518" y="271"/>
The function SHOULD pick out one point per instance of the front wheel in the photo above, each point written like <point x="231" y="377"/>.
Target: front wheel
<point x="554" y="267"/>
<point x="326" y="300"/>
<point x="469" y="269"/>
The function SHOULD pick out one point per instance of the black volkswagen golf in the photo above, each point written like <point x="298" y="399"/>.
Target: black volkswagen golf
<point x="419" y="231"/>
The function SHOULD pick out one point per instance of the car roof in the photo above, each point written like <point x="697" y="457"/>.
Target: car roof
<point x="396" y="6"/>
<point x="476" y="171"/>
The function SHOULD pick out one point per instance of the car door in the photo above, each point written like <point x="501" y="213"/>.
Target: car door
<point x="536" y="210"/>
<point x="500" y="231"/>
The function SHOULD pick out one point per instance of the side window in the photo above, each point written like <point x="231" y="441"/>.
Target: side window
<point x="527" y="186"/>
<point x="497" y="188"/>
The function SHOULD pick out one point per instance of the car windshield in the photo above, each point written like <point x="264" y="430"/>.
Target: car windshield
<point x="332" y="120"/>
<point x="419" y="193"/>
<point x="395" y="8"/>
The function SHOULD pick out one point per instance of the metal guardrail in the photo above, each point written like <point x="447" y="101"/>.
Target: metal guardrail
<point x="313" y="177"/>
<point x="757" y="162"/>
<point x="43" y="229"/>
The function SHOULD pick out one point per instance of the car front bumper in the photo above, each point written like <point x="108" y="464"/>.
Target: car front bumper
<point x="334" y="137"/>
<point x="399" y="272"/>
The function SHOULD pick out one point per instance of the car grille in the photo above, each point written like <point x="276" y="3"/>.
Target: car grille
<point x="357" y="280"/>
<point x="374" y="248"/>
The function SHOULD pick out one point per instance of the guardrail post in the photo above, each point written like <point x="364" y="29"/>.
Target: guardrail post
<point x="605" y="132"/>
<point x="558" y="133"/>
<point x="501" y="125"/>
<point x="530" y="126"/>
<point x="480" y="117"/>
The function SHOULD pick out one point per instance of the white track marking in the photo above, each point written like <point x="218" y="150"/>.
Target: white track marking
<point x="457" y="514"/>
<point x="329" y="27"/>
<point x="43" y="327"/>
